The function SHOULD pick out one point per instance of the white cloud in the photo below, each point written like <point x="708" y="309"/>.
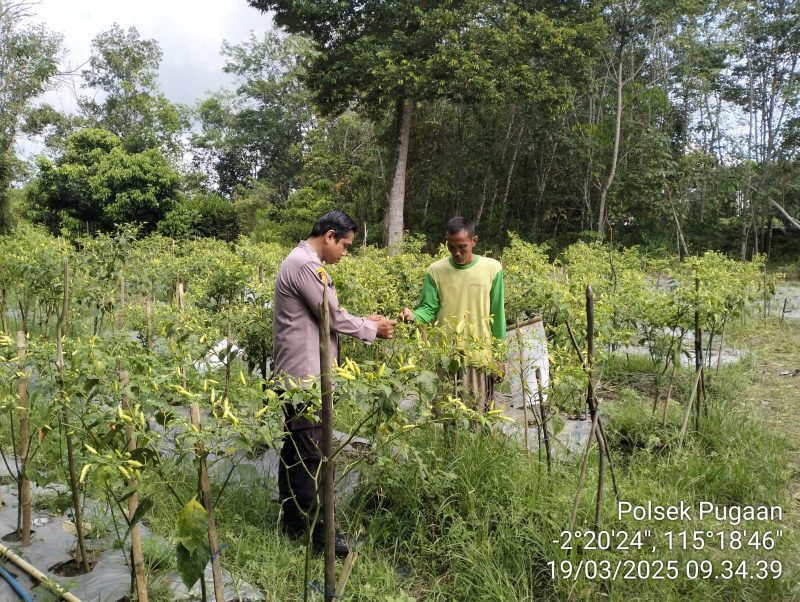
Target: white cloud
<point x="190" y="33"/>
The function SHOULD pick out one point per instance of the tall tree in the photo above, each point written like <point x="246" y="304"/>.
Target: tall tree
<point x="764" y="83"/>
<point x="256" y="133"/>
<point x="123" y="67"/>
<point x="391" y="56"/>
<point x="28" y="62"/>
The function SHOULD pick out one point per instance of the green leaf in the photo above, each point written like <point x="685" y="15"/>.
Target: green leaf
<point x="192" y="525"/>
<point x="191" y="564"/>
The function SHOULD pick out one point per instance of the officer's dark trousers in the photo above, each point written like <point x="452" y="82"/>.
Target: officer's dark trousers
<point x="299" y="473"/>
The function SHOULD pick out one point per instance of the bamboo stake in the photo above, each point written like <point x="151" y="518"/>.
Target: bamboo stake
<point x="5" y="320"/>
<point x="205" y="492"/>
<point x="31" y="570"/>
<point x="120" y="315"/>
<point x="783" y="311"/>
<point x="522" y="385"/>
<point x="599" y="432"/>
<point x="543" y="412"/>
<point x="688" y="411"/>
<point x="73" y="480"/>
<point x="228" y="351"/>
<point x="582" y="475"/>
<point x="347" y="568"/>
<point x="149" y="311"/>
<point x="205" y="483"/>
<point x="698" y="347"/>
<point x="669" y="395"/>
<point x="524" y="323"/>
<point x="133" y="501"/>
<point x="591" y="400"/>
<point x="179" y="294"/>
<point x="327" y="443"/>
<point x="602" y="432"/>
<point x="24" y="442"/>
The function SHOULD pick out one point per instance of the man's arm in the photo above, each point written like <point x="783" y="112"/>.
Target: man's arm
<point x="497" y="307"/>
<point x="428" y="307"/>
<point x="310" y="286"/>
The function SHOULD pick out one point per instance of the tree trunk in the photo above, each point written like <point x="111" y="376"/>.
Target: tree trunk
<point x="397" y="194"/>
<point x="601" y="217"/>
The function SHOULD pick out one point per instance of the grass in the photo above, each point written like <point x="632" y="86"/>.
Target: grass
<point x="473" y="517"/>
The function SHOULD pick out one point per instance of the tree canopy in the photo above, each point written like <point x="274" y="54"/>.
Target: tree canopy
<point x="97" y="185"/>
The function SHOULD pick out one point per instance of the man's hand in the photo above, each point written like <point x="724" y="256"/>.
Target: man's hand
<point x="407" y="315"/>
<point x="385" y="327"/>
<point x="384" y="324"/>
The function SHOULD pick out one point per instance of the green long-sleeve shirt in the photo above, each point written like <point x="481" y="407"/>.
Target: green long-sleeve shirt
<point x="476" y="290"/>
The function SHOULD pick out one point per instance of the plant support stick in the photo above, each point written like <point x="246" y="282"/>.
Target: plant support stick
<point x="327" y="442"/>
<point x="208" y="504"/>
<point x="73" y="479"/>
<point x="133" y="501"/>
<point x="24" y="442"/>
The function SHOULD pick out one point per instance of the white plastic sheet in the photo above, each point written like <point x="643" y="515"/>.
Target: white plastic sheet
<point x="527" y="351"/>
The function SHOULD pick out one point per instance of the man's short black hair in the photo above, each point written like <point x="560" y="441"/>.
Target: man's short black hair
<point x="335" y="220"/>
<point x="457" y="224"/>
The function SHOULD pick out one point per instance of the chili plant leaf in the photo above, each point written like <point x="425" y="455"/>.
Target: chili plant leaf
<point x="192" y="524"/>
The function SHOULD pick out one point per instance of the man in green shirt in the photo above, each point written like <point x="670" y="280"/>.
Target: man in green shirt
<point x="465" y="288"/>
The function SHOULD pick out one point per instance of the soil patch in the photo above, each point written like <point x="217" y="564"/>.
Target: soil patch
<point x="70" y="568"/>
<point x="15" y="536"/>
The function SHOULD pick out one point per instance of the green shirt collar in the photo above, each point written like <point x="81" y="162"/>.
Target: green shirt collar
<point x="464" y="267"/>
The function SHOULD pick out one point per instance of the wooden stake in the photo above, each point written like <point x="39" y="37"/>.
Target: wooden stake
<point x="228" y="351"/>
<point x="327" y="443"/>
<point x="149" y="311"/>
<point x="24" y="441"/>
<point x="592" y="402"/>
<point x="669" y="395"/>
<point x="522" y="386"/>
<point x="524" y="323"/>
<point x="347" y="568"/>
<point x="179" y="294"/>
<point x="688" y="411"/>
<point x="133" y="501"/>
<point x="582" y="475"/>
<point x="543" y="412"/>
<point x="598" y="430"/>
<point x="73" y="477"/>
<point x="208" y="504"/>
<point x="120" y="315"/>
<point x="5" y="320"/>
<point x="698" y="348"/>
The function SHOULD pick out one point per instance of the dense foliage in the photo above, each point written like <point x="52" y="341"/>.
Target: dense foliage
<point x="635" y="122"/>
<point x="155" y="308"/>
<point x="631" y="146"/>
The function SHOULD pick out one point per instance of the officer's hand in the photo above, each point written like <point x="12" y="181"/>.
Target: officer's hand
<point x="385" y="327"/>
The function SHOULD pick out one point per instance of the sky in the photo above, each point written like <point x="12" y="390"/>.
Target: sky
<point x="190" y="33"/>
